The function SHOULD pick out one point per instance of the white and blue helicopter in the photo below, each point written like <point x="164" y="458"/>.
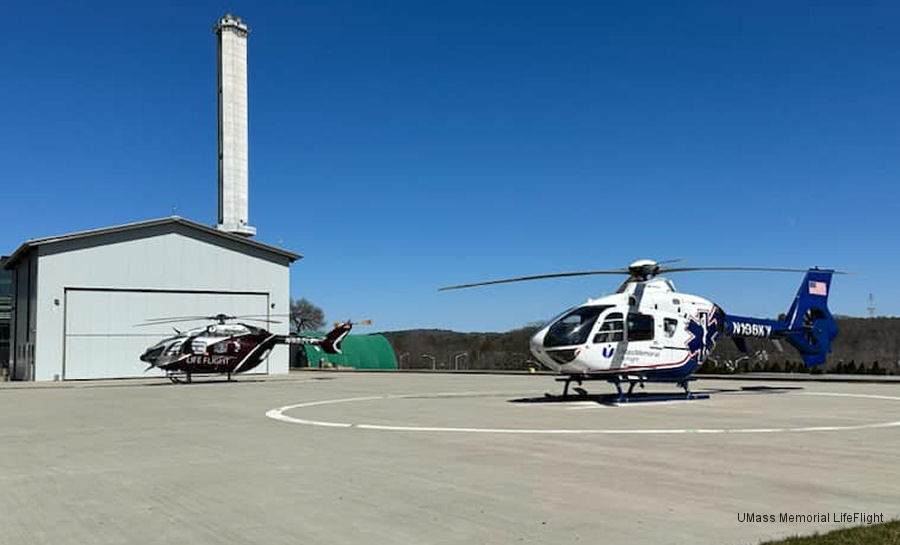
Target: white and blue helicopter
<point x="648" y="332"/>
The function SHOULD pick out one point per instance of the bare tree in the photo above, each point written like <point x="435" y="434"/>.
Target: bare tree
<point x="306" y="316"/>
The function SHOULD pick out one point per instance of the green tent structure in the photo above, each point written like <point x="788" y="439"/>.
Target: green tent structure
<point x="358" y="352"/>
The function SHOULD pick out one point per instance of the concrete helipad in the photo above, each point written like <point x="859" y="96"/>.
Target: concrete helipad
<point x="413" y="458"/>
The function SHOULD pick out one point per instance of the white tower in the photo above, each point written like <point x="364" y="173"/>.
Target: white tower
<point x="233" y="157"/>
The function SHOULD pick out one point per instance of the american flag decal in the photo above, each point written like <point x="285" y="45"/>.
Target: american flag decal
<point x="818" y="288"/>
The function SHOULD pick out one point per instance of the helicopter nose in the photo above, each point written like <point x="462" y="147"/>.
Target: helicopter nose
<point x="152" y="354"/>
<point x="536" y="344"/>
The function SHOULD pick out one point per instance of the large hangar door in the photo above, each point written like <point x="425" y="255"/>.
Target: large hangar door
<point x="102" y="339"/>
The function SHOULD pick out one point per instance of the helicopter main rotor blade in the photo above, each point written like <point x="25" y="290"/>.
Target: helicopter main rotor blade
<point x="281" y="315"/>
<point x="664" y="270"/>
<point x="261" y="320"/>
<point x="176" y="318"/>
<point x="641" y="270"/>
<point x="535" y="277"/>
<point x="173" y="321"/>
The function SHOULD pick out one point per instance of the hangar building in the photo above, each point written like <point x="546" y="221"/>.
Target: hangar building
<point x="78" y="297"/>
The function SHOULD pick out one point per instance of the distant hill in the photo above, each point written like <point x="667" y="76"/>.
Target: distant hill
<point x="864" y="345"/>
<point x="443" y="349"/>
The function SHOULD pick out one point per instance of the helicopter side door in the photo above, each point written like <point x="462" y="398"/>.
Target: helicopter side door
<point x="672" y="336"/>
<point x="644" y="348"/>
<point x="609" y="340"/>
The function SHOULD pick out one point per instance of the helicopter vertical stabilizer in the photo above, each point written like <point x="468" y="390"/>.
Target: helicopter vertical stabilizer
<point x="811" y="327"/>
<point x="332" y="341"/>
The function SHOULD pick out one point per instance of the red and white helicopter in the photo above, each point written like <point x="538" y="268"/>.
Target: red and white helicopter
<point x="227" y="347"/>
<point x="648" y="332"/>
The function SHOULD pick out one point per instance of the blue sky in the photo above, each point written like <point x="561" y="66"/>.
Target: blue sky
<point x="403" y="146"/>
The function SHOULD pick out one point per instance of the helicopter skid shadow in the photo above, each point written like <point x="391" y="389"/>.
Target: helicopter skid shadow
<point x="770" y="389"/>
<point x="201" y="381"/>
<point x="612" y="399"/>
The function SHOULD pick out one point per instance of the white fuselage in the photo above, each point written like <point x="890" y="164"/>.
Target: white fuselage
<point x="646" y="328"/>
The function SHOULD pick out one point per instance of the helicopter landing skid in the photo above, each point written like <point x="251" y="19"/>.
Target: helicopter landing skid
<point x="180" y="377"/>
<point x="632" y="381"/>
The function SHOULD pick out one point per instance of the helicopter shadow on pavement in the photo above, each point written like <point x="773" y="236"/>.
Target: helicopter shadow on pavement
<point x="612" y="399"/>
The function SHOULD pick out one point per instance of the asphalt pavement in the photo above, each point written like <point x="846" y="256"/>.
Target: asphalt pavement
<point x="361" y="458"/>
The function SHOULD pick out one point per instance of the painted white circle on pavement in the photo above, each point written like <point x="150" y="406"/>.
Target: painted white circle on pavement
<point x="279" y="414"/>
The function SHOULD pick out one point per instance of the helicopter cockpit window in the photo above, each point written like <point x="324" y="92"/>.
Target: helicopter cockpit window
<point x="612" y="329"/>
<point x="174" y="348"/>
<point x="574" y="327"/>
<point x="670" y="325"/>
<point x="640" y="327"/>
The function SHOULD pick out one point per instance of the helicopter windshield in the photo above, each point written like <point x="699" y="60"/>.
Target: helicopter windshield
<point x="574" y="327"/>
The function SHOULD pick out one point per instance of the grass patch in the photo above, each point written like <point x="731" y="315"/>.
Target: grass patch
<point x="887" y="533"/>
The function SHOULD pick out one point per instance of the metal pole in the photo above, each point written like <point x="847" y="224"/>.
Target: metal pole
<point x="457" y="357"/>
<point x="433" y="360"/>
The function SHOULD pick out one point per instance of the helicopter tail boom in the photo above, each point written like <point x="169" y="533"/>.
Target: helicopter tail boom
<point x="808" y="325"/>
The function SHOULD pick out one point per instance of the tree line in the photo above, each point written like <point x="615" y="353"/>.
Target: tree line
<point x="863" y="346"/>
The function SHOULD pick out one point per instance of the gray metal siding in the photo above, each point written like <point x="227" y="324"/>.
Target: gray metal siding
<point x="24" y="319"/>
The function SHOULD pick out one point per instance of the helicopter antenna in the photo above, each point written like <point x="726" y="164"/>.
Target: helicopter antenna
<point x="871" y="307"/>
